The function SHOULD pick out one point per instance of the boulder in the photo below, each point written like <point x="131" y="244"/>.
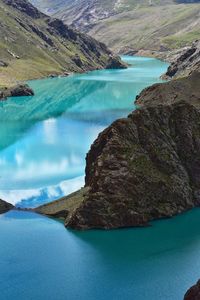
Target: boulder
<point x="21" y="90"/>
<point x="115" y="62"/>
<point x="16" y="91"/>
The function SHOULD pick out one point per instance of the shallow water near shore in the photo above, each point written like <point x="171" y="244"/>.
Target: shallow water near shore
<point x="45" y="138"/>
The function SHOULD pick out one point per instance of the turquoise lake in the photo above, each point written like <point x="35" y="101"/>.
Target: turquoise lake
<point x="44" y="140"/>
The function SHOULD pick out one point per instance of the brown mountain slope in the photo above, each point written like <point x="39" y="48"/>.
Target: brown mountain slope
<point x="131" y="24"/>
<point x="33" y="45"/>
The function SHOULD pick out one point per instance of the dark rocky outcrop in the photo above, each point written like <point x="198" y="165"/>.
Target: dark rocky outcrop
<point x="16" y="91"/>
<point x="116" y="63"/>
<point x="25" y="7"/>
<point x="183" y="89"/>
<point x="193" y="293"/>
<point x="5" y="207"/>
<point x="186" y="62"/>
<point x="142" y="168"/>
<point x="145" y="166"/>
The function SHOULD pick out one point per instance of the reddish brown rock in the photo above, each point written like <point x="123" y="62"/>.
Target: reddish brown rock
<point x="193" y="293"/>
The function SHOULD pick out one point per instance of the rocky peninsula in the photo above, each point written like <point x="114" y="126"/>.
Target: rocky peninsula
<point x="143" y="167"/>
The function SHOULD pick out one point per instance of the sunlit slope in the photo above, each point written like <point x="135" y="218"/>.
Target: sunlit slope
<point x="169" y="26"/>
<point x="35" y="45"/>
<point x="135" y="24"/>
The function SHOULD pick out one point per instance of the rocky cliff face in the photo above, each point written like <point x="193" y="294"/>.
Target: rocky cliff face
<point x="142" y="168"/>
<point x="186" y="62"/>
<point x="4" y="206"/>
<point x="146" y="166"/>
<point x="193" y="293"/>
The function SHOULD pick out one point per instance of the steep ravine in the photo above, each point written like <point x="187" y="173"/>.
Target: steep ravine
<point x="143" y="167"/>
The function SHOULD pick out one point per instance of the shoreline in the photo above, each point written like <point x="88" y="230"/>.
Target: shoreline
<point x="141" y="53"/>
<point x="6" y="91"/>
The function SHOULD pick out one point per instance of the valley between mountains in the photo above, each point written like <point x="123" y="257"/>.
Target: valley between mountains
<point x="131" y="25"/>
<point x="141" y="168"/>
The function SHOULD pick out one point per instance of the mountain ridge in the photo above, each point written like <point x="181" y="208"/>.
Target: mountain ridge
<point x="125" y="23"/>
<point x="49" y="46"/>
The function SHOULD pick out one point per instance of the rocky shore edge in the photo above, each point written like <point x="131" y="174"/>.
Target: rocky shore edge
<point x="143" y="167"/>
<point x="182" y="61"/>
<point x="21" y="89"/>
<point x="16" y="91"/>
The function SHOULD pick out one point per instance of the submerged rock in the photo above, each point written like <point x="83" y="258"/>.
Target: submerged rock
<point x="5" y="206"/>
<point x="193" y="293"/>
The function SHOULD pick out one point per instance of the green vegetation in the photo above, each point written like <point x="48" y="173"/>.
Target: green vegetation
<point x="34" y="48"/>
<point x="132" y="24"/>
<point x="69" y="203"/>
<point x="169" y="26"/>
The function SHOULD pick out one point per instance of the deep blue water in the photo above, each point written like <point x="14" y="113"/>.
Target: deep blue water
<point x="43" y="144"/>
<point x="40" y="259"/>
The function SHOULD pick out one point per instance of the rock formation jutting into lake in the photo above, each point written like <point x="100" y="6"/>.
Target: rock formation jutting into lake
<point x="143" y="167"/>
